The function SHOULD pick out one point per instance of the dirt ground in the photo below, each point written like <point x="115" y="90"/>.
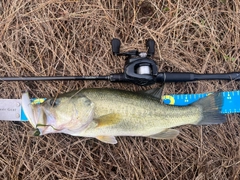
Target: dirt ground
<point x="68" y="38"/>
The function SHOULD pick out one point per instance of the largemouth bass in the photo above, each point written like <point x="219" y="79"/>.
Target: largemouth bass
<point x="107" y="113"/>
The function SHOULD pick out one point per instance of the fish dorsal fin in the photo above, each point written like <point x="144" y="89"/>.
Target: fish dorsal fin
<point x="107" y="139"/>
<point x="109" y="119"/>
<point x="156" y="92"/>
<point x="166" y="134"/>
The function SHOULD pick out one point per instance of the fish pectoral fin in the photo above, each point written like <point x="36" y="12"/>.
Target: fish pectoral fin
<point x="107" y="139"/>
<point x="166" y="134"/>
<point x="108" y="119"/>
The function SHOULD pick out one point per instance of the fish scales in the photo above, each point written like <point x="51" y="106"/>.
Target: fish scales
<point x="106" y="113"/>
<point x="144" y="113"/>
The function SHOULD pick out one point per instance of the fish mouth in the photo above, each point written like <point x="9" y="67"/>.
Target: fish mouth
<point x="37" y="116"/>
<point x="44" y="121"/>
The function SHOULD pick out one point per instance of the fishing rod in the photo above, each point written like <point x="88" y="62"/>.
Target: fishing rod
<point x="139" y="69"/>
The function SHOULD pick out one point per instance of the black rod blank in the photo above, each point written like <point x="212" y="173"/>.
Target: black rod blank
<point x="54" y="78"/>
<point x="161" y="77"/>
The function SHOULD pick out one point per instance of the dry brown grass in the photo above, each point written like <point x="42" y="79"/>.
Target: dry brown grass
<point x="53" y="37"/>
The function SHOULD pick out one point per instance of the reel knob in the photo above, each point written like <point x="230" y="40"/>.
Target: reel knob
<point x="116" y="43"/>
<point x="150" y="44"/>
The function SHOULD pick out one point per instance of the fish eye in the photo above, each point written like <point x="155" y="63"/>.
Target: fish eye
<point x="54" y="102"/>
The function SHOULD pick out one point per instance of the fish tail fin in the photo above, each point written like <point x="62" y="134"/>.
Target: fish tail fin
<point x="211" y="109"/>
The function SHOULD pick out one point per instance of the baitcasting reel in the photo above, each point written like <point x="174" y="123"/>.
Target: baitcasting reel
<point x="139" y="68"/>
